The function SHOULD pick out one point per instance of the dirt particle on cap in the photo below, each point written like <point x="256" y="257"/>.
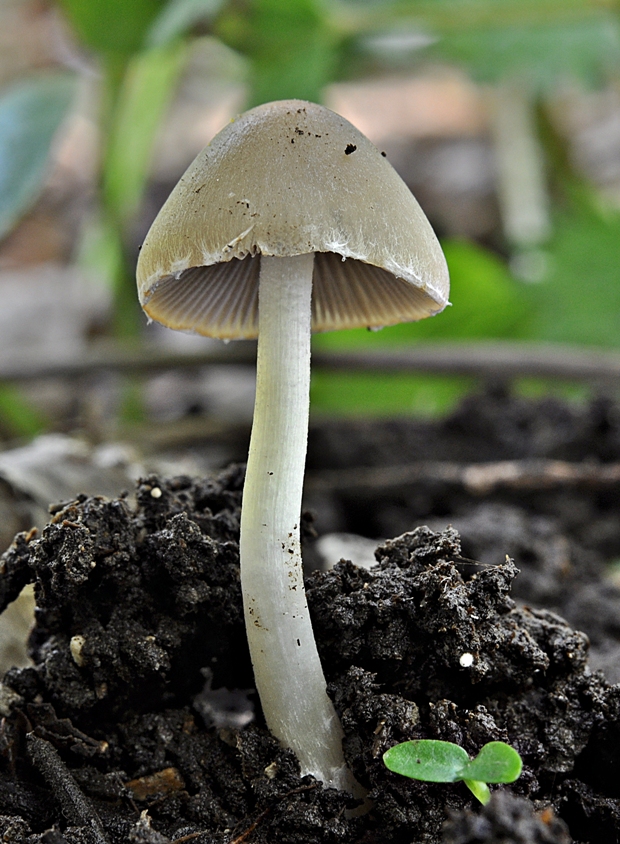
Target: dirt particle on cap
<point x="349" y="149"/>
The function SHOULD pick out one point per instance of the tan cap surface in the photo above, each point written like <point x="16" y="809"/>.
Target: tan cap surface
<point x="284" y="179"/>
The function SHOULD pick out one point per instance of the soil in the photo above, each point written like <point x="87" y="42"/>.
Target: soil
<point x="138" y="722"/>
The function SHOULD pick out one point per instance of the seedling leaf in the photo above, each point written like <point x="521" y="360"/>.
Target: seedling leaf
<point x="496" y="762"/>
<point x="424" y="759"/>
<point x="443" y="761"/>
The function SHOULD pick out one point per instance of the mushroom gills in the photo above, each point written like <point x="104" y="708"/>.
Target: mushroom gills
<point x="221" y="300"/>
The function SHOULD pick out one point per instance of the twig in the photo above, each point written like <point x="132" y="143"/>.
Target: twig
<point x="240" y="838"/>
<point x="496" y="360"/>
<point x="476" y="478"/>
<point x="538" y="474"/>
<point x="492" y="360"/>
<point x="74" y="804"/>
<point x="116" y="358"/>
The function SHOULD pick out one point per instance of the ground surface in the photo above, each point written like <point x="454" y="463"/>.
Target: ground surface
<point x="124" y="731"/>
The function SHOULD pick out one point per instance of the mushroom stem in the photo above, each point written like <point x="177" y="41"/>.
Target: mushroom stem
<point x="288" y="673"/>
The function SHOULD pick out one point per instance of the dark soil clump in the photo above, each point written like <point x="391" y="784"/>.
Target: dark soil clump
<point x="538" y="481"/>
<point x="137" y="722"/>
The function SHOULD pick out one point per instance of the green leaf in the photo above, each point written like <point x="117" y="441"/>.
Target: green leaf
<point x="461" y="16"/>
<point x="390" y="394"/>
<point x="539" y="40"/>
<point x="142" y="100"/>
<point x="18" y="417"/>
<point x="289" y="43"/>
<point x="431" y="761"/>
<point x="177" y="17"/>
<point x="112" y="26"/>
<point x="578" y="300"/>
<point x="30" y="114"/>
<point x="496" y="762"/>
<point x="542" y="53"/>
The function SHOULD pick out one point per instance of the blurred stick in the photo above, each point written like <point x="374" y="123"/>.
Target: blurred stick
<point x="476" y="478"/>
<point x="493" y="360"/>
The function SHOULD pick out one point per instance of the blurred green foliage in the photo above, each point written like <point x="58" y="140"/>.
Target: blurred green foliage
<point x="31" y="112"/>
<point x="486" y="301"/>
<point x="588" y="50"/>
<point x="578" y="299"/>
<point x="290" y="46"/>
<point x="142" y="49"/>
<point x="294" y="48"/>
<point x="539" y="41"/>
<point x="140" y="108"/>
<point x="351" y="394"/>
<point x="575" y="299"/>
<point x="139" y="104"/>
<point x="18" y="418"/>
<point x="112" y="27"/>
<point x="178" y="17"/>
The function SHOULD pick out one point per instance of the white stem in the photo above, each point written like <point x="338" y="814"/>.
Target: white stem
<point x="287" y="670"/>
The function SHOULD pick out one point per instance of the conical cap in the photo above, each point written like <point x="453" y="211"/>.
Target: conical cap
<point x="284" y="179"/>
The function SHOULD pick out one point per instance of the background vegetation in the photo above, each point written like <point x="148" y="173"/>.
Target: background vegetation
<point x="551" y="274"/>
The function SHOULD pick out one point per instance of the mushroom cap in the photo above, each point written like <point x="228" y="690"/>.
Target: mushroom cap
<point x="288" y="178"/>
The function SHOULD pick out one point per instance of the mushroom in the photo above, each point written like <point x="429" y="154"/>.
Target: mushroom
<point x="289" y="221"/>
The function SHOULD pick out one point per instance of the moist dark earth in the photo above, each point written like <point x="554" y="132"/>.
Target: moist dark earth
<point x="138" y="722"/>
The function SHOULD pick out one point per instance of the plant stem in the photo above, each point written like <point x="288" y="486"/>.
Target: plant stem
<point x="288" y="673"/>
<point x="522" y="189"/>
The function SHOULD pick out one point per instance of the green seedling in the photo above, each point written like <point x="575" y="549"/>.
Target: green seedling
<point x="443" y="761"/>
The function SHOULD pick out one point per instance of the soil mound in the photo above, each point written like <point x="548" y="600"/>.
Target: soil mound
<point x="138" y="722"/>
